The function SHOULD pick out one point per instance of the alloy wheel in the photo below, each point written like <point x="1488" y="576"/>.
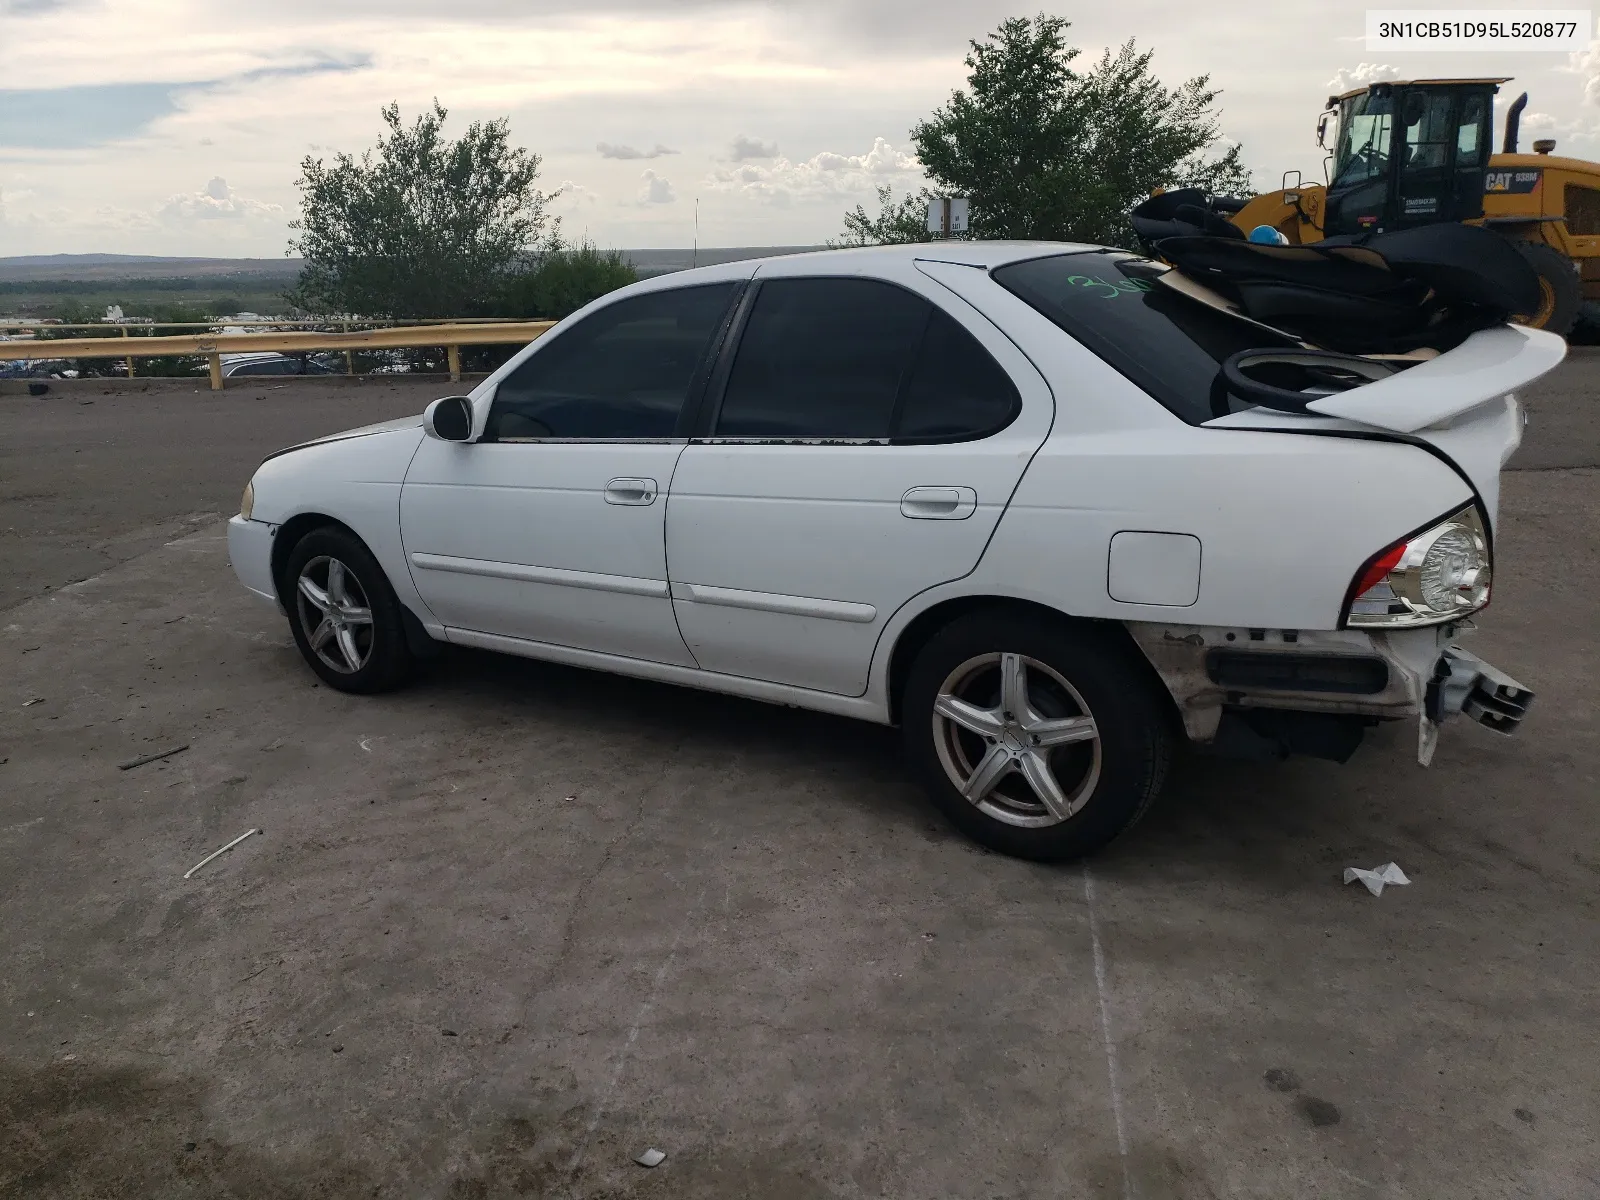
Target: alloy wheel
<point x="1016" y="739"/>
<point x="335" y="614"/>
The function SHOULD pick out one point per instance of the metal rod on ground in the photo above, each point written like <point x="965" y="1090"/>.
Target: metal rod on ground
<point x="224" y="850"/>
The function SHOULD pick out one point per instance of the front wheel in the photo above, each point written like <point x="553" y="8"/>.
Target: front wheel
<point x="1037" y="738"/>
<point x="344" y="615"/>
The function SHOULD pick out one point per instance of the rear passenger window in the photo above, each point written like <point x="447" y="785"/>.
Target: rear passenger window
<point x="859" y="359"/>
<point x="956" y="391"/>
<point x="821" y="358"/>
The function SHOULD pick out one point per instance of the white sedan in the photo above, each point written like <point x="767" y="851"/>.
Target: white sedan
<point x="1033" y="503"/>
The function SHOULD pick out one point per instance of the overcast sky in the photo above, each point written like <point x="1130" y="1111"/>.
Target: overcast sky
<point x="177" y="127"/>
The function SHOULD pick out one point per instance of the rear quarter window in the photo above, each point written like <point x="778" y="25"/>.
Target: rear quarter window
<point x="1171" y="346"/>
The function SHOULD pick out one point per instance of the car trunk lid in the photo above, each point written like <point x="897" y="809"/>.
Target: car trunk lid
<point x="1461" y="405"/>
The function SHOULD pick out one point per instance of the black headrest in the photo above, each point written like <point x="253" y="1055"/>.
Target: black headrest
<point x="1183" y="212"/>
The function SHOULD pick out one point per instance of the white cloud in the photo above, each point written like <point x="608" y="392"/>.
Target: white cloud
<point x="1347" y="79"/>
<point x="573" y="73"/>
<point x="574" y="195"/>
<point x="820" y="177"/>
<point x="1587" y="64"/>
<point x="611" y="150"/>
<point x="216" y="201"/>
<point x="655" y="190"/>
<point x="745" y="148"/>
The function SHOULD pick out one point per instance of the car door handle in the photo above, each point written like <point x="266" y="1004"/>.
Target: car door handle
<point x="939" y="503"/>
<point x="631" y="491"/>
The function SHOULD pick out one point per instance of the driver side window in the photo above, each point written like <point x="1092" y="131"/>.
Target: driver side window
<point x="622" y="372"/>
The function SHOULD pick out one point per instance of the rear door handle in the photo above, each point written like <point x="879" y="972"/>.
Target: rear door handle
<point x="631" y="491"/>
<point x="939" y="503"/>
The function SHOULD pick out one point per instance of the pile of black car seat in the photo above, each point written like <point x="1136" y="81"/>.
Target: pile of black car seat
<point x="1383" y="293"/>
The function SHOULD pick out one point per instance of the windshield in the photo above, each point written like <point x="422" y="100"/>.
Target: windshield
<point x="1172" y="346"/>
<point x="1365" y="122"/>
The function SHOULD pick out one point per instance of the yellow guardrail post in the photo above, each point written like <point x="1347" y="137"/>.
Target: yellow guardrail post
<point x="453" y="353"/>
<point x="214" y="360"/>
<point x="130" y="357"/>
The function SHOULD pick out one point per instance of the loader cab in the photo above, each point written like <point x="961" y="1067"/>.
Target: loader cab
<point x="1409" y="154"/>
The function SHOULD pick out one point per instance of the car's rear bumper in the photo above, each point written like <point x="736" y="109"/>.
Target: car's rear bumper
<point x="1415" y="674"/>
<point x="250" y="552"/>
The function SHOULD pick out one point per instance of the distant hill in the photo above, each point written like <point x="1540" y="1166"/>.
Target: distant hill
<point x="72" y="268"/>
<point x="108" y="268"/>
<point x="660" y="262"/>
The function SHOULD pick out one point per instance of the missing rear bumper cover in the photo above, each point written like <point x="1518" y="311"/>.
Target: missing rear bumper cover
<point x="1336" y="674"/>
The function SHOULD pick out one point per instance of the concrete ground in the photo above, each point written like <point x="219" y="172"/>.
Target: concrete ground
<point x="506" y="929"/>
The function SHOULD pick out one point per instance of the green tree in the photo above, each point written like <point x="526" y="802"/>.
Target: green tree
<point x="1045" y="151"/>
<point x="897" y="222"/>
<point x="563" y="280"/>
<point x="421" y="226"/>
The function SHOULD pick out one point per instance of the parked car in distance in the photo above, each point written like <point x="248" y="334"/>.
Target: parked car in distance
<point x="1005" y="496"/>
<point x="269" y="363"/>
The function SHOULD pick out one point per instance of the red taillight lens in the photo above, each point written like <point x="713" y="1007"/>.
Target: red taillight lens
<point x="1436" y="575"/>
<point x="1379" y="567"/>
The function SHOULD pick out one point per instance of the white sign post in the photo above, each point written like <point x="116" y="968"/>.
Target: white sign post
<point x="948" y="215"/>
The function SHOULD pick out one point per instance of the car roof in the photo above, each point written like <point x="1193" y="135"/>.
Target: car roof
<point x="855" y="260"/>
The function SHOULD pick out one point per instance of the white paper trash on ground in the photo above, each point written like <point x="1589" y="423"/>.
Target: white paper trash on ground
<point x="651" y="1158"/>
<point x="1376" y="878"/>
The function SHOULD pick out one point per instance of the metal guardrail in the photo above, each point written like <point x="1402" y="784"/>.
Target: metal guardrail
<point x="214" y="345"/>
<point x="265" y="322"/>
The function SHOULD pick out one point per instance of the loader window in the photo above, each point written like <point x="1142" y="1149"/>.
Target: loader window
<point x="1365" y="123"/>
<point x="1583" y="210"/>
<point x="1171" y="346"/>
<point x="1472" y="155"/>
<point x="1470" y="131"/>
<point x="1428" y="132"/>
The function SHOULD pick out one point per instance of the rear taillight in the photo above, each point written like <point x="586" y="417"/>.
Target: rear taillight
<point x="1440" y="574"/>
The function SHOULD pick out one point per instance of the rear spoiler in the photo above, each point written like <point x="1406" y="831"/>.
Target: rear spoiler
<point x="1489" y="364"/>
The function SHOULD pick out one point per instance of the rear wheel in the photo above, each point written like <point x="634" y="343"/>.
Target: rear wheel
<point x="1560" y="290"/>
<point x="344" y="615"/>
<point x="1036" y="738"/>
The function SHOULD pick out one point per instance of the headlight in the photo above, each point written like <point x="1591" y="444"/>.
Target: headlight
<point x="247" y="502"/>
<point x="1438" y="575"/>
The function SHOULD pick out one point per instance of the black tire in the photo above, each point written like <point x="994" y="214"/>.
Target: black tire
<point x="1108" y="783"/>
<point x="384" y="659"/>
<point x="1559" y="285"/>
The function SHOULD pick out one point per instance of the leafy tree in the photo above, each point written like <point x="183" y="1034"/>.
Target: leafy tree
<point x="422" y="226"/>
<point x="563" y="280"/>
<point x="897" y="222"/>
<point x="1044" y="151"/>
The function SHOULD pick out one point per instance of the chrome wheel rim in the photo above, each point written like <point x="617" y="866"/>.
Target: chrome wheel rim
<point x="1016" y="740"/>
<point x="335" y="614"/>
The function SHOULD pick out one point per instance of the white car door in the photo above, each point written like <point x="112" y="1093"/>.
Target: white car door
<point x="860" y="442"/>
<point x="549" y="526"/>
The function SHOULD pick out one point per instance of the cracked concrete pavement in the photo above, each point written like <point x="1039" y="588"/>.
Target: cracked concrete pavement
<point x="506" y="929"/>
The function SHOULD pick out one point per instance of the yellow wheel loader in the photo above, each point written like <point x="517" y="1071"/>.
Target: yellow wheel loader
<point x="1418" y="153"/>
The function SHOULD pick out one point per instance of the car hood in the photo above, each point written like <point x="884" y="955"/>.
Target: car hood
<point x="365" y="431"/>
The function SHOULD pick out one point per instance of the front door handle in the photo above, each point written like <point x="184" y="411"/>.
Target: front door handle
<point x="939" y="503"/>
<point x="631" y="491"/>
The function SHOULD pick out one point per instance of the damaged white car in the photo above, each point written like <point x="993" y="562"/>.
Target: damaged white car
<point x="1048" y="508"/>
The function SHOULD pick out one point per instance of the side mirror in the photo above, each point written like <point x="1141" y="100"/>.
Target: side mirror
<point x="449" y="419"/>
<point x="1322" y="131"/>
